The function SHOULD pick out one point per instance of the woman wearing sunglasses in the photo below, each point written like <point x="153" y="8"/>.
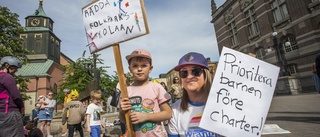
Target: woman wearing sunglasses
<point x="43" y="116"/>
<point x="196" y="82"/>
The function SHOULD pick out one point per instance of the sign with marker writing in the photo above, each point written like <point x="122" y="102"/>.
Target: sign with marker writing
<point x="240" y="95"/>
<point x="109" y="22"/>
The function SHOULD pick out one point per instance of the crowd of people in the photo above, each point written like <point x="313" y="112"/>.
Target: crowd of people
<point x="152" y="104"/>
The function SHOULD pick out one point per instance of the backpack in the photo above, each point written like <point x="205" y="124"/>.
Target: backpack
<point x="2" y="95"/>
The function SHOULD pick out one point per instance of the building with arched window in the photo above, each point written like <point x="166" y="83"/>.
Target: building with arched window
<point x="281" y="32"/>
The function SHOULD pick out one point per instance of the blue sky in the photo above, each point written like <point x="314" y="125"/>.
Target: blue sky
<point x="176" y="28"/>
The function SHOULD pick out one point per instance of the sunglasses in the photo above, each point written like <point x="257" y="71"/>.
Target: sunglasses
<point x="194" y="72"/>
<point x="50" y="94"/>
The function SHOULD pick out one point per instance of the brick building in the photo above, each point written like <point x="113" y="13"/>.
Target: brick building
<point x="43" y="70"/>
<point x="281" y="32"/>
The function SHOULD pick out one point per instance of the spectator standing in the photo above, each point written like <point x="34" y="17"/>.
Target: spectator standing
<point x="94" y="119"/>
<point x="165" y="87"/>
<point x="175" y="89"/>
<point x="77" y="111"/>
<point x="67" y="98"/>
<point x="11" y="102"/>
<point x="317" y="61"/>
<point x="315" y="78"/>
<point x="45" y="118"/>
<point x="34" y="115"/>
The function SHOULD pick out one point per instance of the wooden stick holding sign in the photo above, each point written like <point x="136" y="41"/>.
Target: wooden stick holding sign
<point x="110" y="22"/>
<point x="123" y="86"/>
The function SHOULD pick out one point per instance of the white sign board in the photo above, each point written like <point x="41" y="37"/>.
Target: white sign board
<point x="109" y="22"/>
<point x="240" y="95"/>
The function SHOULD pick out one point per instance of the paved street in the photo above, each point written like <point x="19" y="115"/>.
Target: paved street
<point x="300" y="114"/>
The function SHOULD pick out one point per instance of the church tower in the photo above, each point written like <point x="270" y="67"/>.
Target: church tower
<point x="39" y="37"/>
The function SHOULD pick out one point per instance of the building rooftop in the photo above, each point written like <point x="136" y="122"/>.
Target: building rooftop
<point x="35" y="69"/>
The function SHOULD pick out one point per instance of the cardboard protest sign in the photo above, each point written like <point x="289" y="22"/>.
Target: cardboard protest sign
<point x="109" y="22"/>
<point x="240" y="95"/>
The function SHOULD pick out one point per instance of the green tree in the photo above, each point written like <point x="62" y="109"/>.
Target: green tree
<point x="130" y="77"/>
<point x="79" y="76"/>
<point x="10" y="29"/>
<point x="10" y="42"/>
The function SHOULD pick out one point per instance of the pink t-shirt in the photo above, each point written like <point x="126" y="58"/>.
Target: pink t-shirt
<point x="147" y="99"/>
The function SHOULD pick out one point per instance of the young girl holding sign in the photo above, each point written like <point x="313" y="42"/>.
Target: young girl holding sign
<point x="196" y="82"/>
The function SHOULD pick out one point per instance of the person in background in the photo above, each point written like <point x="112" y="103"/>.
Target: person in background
<point x="317" y="68"/>
<point x="45" y="118"/>
<point x="36" y="132"/>
<point x="315" y="78"/>
<point x="196" y="82"/>
<point x="34" y="115"/>
<point x="317" y="61"/>
<point x="11" y="102"/>
<point x="85" y="118"/>
<point x="165" y="87"/>
<point x="104" y="103"/>
<point x="67" y="99"/>
<point x="146" y="97"/>
<point x="94" y="119"/>
<point x="77" y="111"/>
<point x="175" y="90"/>
<point x="170" y="102"/>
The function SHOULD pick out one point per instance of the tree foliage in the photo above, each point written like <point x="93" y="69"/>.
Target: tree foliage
<point x="10" y="43"/>
<point x="10" y="29"/>
<point x="80" y="74"/>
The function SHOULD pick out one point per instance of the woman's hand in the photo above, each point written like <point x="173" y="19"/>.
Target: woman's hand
<point x="138" y="117"/>
<point x="125" y="104"/>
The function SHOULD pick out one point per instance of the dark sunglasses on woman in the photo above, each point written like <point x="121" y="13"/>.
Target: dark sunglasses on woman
<point x="194" y="72"/>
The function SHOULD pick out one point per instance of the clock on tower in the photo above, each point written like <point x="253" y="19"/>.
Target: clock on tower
<point x="35" y="22"/>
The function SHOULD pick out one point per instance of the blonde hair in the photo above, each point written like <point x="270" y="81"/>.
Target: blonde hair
<point x="96" y="94"/>
<point x="204" y="89"/>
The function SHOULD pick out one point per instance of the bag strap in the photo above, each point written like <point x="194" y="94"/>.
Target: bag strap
<point x="7" y="101"/>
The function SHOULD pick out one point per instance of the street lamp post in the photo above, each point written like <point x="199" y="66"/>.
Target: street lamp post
<point x="282" y="62"/>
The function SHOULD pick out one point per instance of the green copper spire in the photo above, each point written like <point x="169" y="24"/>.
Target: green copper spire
<point x="40" y="11"/>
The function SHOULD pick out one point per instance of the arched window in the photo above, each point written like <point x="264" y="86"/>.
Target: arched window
<point x="37" y="46"/>
<point x="52" y="49"/>
<point x="55" y="88"/>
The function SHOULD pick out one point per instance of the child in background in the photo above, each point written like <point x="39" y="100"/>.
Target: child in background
<point x="77" y="111"/>
<point x="94" y="119"/>
<point x="145" y="98"/>
<point x="34" y="116"/>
